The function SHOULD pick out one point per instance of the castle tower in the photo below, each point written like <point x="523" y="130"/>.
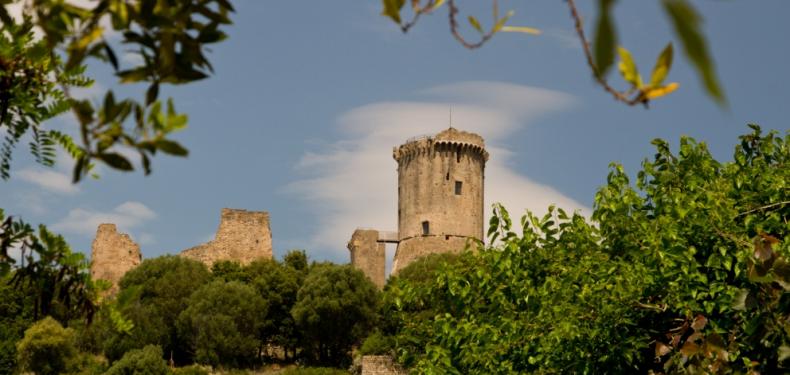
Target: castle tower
<point x="243" y="236"/>
<point x="440" y="194"/>
<point x="112" y="255"/>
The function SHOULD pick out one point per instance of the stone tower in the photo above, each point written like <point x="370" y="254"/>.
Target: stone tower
<point x="243" y="236"/>
<point x="440" y="194"/>
<point x="112" y="255"/>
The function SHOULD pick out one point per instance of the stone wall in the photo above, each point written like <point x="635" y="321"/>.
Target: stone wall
<point x="368" y="255"/>
<point x="410" y="249"/>
<point x="440" y="193"/>
<point x="243" y="236"/>
<point x="112" y="255"/>
<point x="381" y="365"/>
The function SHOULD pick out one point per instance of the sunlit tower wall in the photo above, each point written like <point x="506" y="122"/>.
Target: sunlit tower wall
<point x="440" y="194"/>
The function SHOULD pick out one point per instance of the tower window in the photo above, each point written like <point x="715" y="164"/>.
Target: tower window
<point x="458" y="185"/>
<point x="447" y="176"/>
<point x="425" y="228"/>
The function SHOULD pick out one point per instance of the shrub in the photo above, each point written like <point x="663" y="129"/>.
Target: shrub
<point x="145" y="361"/>
<point x="314" y="371"/>
<point x="377" y="344"/>
<point x="190" y="370"/>
<point x="47" y="348"/>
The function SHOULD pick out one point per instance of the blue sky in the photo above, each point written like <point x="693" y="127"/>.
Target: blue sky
<point x="308" y="99"/>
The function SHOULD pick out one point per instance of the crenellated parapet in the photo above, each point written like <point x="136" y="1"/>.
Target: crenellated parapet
<point x="459" y="143"/>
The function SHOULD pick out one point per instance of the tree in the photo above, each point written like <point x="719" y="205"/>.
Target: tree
<point x="221" y="324"/>
<point x="151" y="297"/>
<point x="687" y="24"/>
<point x="36" y="76"/>
<point x="144" y="361"/>
<point x="16" y="315"/>
<point x="58" y="278"/>
<point x="335" y="308"/>
<point x="689" y="273"/>
<point x="278" y="285"/>
<point x="47" y="348"/>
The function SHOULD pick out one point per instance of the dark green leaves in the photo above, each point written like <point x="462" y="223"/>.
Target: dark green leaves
<point x="688" y="25"/>
<point x="116" y="161"/>
<point x="605" y="39"/>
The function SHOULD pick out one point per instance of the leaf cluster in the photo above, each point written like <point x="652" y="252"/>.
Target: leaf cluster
<point x="687" y="271"/>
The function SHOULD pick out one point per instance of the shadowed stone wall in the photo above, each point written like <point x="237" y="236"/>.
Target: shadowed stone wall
<point x="440" y="194"/>
<point x="112" y="255"/>
<point x="243" y="236"/>
<point x="368" y="255"/>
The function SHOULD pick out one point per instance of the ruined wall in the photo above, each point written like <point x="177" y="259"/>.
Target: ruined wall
<point x="112" y="255"/>
<point x="243" y="236"/>
<point x="412" y="248"/>
<point x="381" y="365"/>
<point x="440" y="193"/>
<point x="368" y="255"/>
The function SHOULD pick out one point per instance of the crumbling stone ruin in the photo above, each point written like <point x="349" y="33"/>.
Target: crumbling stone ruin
<point x="112" y="255"/>
<point x="243" y="236"/>
<point x="440" y="201"/>
<point x="368" y="253"/>
<point x="381" y="365"/>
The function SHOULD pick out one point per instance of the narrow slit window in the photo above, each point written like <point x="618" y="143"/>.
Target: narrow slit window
<point x="458" y="187"/>
<point x="425" y="228"/>
<point x="447" y="176"/>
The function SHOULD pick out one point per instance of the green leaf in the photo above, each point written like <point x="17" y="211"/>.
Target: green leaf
<point x="687" y="24"/>
<point x="663" y="65"/>
<point x="111" y="56"/>
<point x="152" y="93"/>
<point x="628" y="69"/>
<point x="392" y="9"/>
<point x="171" y="147"/>
<point x="501" y="22"/>
<point x="116" y="160"/>
<point x="605" y="38"/>
<point x="521" y="29"/>
<point x="783" y="353"/>
<point x="133" y="75"/>
<point x="476" y="24"/>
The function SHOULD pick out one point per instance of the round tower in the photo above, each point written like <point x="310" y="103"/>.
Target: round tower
<point x="440" y="194"/>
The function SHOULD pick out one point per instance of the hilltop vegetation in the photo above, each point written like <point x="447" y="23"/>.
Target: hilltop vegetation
<point x="685" y="271"/>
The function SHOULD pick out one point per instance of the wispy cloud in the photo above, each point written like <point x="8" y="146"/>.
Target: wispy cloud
<point x="127" y="216"/>
<point x="353" y="182"/>
<point x="50" y="180"/>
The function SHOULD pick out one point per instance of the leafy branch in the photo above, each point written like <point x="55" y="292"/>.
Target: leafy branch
<point x="599" y="54"/>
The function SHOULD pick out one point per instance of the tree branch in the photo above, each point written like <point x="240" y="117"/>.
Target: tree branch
<point x="618" y="95"/>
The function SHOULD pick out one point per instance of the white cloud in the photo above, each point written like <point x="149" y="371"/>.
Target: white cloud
<point x="353" y="182"/>
<point x="49" y="180"/>
<point x="126" y="216"/>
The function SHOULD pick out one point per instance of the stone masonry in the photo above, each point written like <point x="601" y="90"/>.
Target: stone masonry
<point x="112" y="255"/>
<point x="368" y="255"/>
<point x="243" y="236"/>
<point x="381" y="365"/>
<point x="440" y="202"/>
<point x="440" y="194"/>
